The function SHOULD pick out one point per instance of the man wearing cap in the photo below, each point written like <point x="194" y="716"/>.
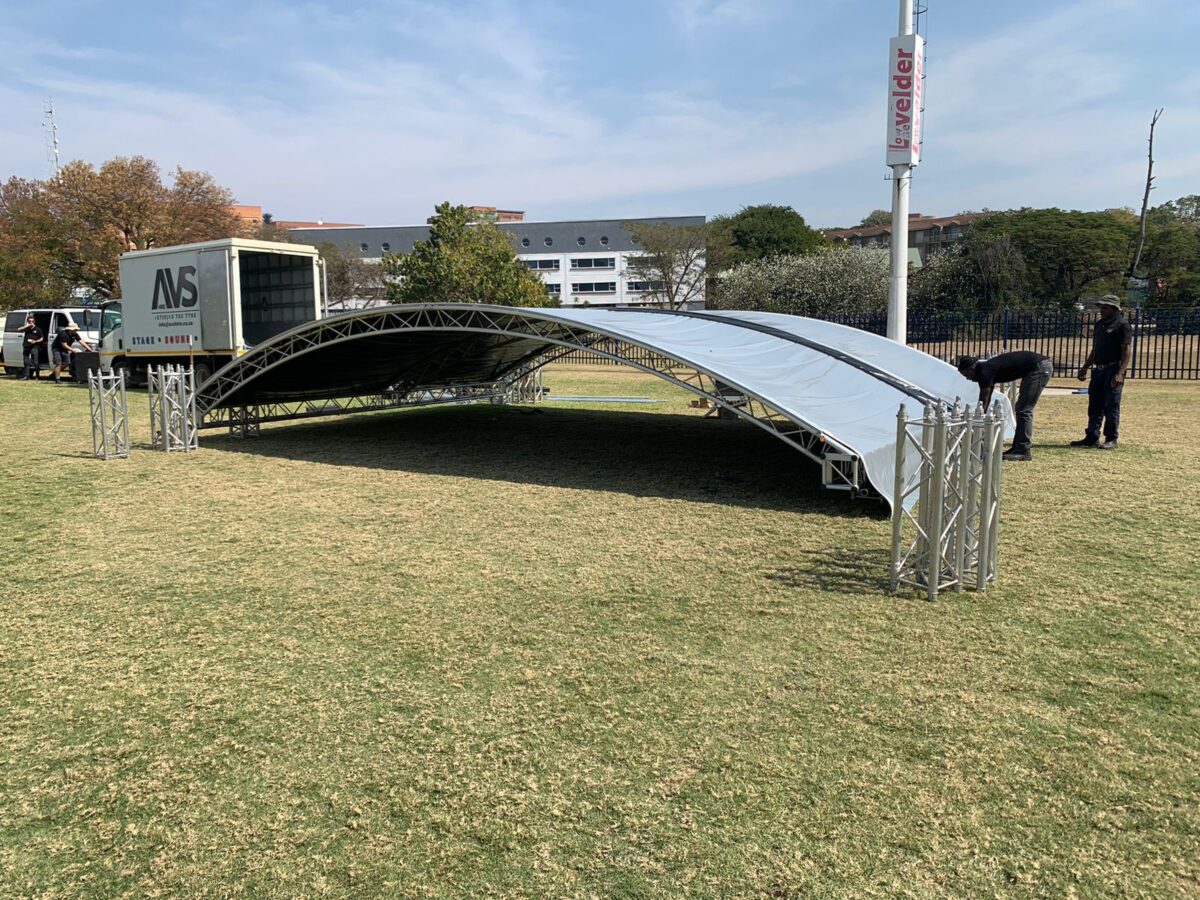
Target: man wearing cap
<point x="1112" y="347"/>
<point x="64" y="346"/>
<point x="1033" y="369"/>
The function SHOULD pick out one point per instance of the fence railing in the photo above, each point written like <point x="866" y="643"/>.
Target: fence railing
<point x="1166" y="342"/>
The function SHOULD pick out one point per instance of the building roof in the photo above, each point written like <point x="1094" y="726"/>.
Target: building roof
<point x="574" y="236"/>
<point x="916" y="222"/>
<point x="293" y="224"/>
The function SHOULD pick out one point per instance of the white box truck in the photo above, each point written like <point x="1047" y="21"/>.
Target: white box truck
<point x="207" y="303"/>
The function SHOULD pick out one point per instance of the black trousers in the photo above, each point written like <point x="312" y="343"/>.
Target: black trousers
<point x="1027" y="398"/>
<point x="33" y="362"/>
<point x="1104" y="403"/>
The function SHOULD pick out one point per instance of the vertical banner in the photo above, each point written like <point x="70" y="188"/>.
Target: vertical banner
<point x="906" y="66"/>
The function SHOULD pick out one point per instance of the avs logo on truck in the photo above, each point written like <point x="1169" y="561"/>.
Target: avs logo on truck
<point x="173" y="290"/>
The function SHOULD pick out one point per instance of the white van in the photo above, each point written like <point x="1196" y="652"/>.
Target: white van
<point x="51" y="321"/>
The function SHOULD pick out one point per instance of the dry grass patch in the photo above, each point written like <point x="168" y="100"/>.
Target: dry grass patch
<point x="621" y="651"/>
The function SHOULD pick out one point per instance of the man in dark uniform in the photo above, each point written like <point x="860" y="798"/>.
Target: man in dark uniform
<point x="1033" y="369"/>
<point x="1112" y="348"/>
<point x="31" y="349"/>
<point x="64" y="346"/>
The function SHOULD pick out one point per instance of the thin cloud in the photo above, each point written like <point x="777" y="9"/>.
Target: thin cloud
<point x="400" y="105"/>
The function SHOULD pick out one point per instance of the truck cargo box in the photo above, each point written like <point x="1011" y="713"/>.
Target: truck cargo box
<point x="218" y="297"/>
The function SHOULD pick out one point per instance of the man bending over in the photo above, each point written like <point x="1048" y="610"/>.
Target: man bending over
<point x="1033" y="370"/>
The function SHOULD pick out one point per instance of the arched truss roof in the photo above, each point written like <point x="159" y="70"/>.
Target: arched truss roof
<point x="830" y="391"/>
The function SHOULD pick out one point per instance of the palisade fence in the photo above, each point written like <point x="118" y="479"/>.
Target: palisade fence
<point x="1166" y="342"/>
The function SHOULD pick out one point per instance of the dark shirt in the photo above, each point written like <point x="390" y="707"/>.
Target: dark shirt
<point x="1110" y="339"/>
<point x="32" y="335"/>
<point x="65" y="339"/>
<point x="1007" y="367"/>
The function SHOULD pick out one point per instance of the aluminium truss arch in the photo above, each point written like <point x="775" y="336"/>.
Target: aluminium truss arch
<point x="835" y="405"/>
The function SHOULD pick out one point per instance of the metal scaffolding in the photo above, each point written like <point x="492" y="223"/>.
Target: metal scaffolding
<point x="218" y="398"/>
<point x="949" y="539"/>
<point x="110" y="414"/>
<point x="173" y="416"/>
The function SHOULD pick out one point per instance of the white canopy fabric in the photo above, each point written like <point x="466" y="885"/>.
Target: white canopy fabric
<point x="841" y="380"/>
<point x="835" y="382"/>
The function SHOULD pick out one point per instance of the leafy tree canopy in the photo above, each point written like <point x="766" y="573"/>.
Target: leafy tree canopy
<point x="760" y="232"/>
<point x="1066" y="252"/>
<point x="876" y="217"/>
<point x="467" y="259"/>
<point x="69" y="231"/>
<point x="1185" y="211"/>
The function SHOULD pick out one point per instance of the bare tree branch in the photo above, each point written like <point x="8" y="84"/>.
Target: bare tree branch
<point x="1141" y="241"/>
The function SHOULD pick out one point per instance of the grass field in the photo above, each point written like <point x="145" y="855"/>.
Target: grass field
<point x="585" y="651"/>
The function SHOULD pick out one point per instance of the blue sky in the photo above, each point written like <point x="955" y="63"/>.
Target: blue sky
<point x="374" y="112"/>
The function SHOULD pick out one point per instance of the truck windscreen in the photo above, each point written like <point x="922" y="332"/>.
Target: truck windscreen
<point x="111" y="319"/>
<point x="87" y="319"/>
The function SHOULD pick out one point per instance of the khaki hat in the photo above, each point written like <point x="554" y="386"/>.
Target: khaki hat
<point x="1109" y="300"/>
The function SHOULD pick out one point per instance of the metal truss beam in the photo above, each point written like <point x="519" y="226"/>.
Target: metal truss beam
<point x="218" y="402"/>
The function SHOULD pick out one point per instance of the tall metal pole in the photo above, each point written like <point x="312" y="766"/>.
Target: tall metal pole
<point x="897" y="325"/>
<point x="906" y="71"/>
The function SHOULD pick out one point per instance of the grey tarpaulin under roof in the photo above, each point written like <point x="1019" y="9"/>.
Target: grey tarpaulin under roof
<point x="829" y="390"/>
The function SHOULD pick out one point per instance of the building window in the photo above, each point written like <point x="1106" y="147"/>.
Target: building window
<point x="362" y="248"/>
<point x="524" y="242"/>
<point x="581" y="241"/>
<point x="599" y="262"/>
<point x="554" y="289"/>
<point x="643" y="286"/>
<point x="604" y="241"/>
<point x="387" y="248"/>
<point x="541" y="264"/>
<point x="549" y="242"/>
<point x="595" y="287"/>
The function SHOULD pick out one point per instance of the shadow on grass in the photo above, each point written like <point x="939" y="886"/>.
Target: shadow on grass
<point x="659" y="455"/>
<point x="843" y="570"/>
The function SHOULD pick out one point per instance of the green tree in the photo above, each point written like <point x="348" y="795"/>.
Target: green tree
<point x="759" y="232"/>
<point x="949" y="281"/>
<point x="1185" y="210"/>
<point x="1066" y="253"/>
<point x="467" y="259"/>
<point x="672" y="262"/>
<point x="999" y="267"/>
<point x="875" y="218"/>
<point x="1171" y="263"/>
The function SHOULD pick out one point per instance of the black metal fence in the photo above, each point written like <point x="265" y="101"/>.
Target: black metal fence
<point x="1166" y="342"/>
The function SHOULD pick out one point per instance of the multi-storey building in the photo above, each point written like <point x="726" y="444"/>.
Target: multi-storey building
<point x="582" y="263"/>
<point x="926" y="234"/>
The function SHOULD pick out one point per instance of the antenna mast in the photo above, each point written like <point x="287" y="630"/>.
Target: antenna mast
<point x="51" y="128"/>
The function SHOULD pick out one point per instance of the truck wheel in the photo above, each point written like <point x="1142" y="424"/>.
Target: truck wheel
<point x="203" y="372"/>
<point x="132" y="376"/>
